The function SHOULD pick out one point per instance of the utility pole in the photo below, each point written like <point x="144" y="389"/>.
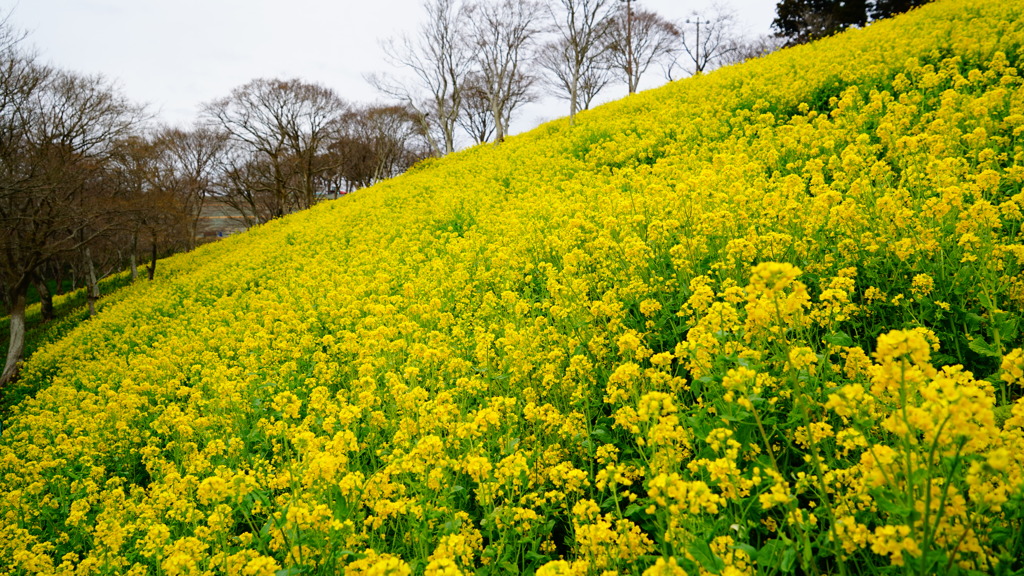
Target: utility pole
<point x="697" y="64"/>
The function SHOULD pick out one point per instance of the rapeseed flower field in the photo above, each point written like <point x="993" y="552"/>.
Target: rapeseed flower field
<point x="761" y="321"/>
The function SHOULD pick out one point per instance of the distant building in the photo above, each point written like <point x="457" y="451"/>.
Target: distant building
<point x="333" y="194"/>
<point x="218" y="220"/>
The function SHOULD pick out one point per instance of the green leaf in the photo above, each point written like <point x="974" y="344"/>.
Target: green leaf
<point x="265" y="530"/>
<point x="886" y="503"/>
<point x="750" y="550"/>
<point x="1008" y="329"/>
<point x="702" y="553"/>
<point x="985" y="300"/>
<point x="985" y="349"/>
<point x="788" y="560"/>
<point x="633" y="509"/>
<point x="973" y="321"/>
<point x="1002" y="414"/>
<point x="839" y="339"/>
<point x="511" y="445"/>
<point x="731" y="414"/>
<point x="768" y="554"/>
<point x="536" y="558"/>
<point x="289" y="571"/>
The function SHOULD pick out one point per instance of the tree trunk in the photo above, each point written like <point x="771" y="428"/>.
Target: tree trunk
<point x="45" y="298"/>
<point x="133" y="259"/>
<point x="194" y="222"/>
<point x="573" y="99"/>
<point x="152" y="262"/>
<point x="430" y="139"/>
<point x="449" y="140"/>
<point x="93" y="289"/>
<point x="58" y="274"/>
<point x="499" y="127"/>
<point x="16" y="346"/>
<point x="629" y="48"/>
<point x="193" y="230"/>
<point x="574" y="96"/>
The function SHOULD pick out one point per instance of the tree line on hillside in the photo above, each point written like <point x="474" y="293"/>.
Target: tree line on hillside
<point x="800" y="21"/>
<point x="472" y="64"/>
<point x="89" y="185"/>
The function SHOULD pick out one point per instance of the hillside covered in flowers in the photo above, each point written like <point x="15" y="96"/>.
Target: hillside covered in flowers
<point x="761" y="321"/>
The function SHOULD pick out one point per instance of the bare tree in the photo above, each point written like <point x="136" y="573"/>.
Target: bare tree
<point x="377" y="142"/>
<point x="161" y="183"/>
<point x="574" y="61"/>
<point x="555" y="57"/>
<point x="186" y="165"/>
<point x="20" y="78"/>
<point x="707" y="40"/>
<point x="131" y="173"/>
<point x="115" y="196"/>
<point x="637" y="39"/>
<point x="57" y="137"/>
<point x="502" y="33"/>
<point x="247" y="185"/>
<point x="476" y="119"/>
<point x="439" y="61"/>
<point x="284" y="126"/>
<point x="743" y="49"/>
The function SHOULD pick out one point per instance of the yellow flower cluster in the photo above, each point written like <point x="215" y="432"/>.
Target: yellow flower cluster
<point x="764" y="320"/>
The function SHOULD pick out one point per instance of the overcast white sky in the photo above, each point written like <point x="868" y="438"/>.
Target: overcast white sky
<point x="175" y="55"/>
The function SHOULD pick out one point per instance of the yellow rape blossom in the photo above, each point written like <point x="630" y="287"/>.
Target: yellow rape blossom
<point x="774" y="306"/>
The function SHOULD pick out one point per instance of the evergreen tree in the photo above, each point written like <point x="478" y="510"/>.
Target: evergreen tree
<point x="800" y="21"/>
<point x="889" y="8"/>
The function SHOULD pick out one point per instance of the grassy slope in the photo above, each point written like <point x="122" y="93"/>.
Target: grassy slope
<point x="70" y="310"/>
<point x="486" y="361"/>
